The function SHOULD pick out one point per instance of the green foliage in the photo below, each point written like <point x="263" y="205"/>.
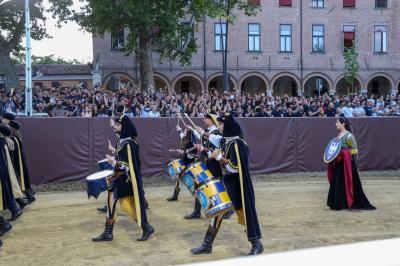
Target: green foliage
<point x="351" y="64"/>
<point x="159" y="21"/>
<point x="12" y="21"/>
<point x="19" y="58"/>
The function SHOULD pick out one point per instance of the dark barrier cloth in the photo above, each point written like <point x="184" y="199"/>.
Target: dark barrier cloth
<point x="56" y="149"/>
<point x="312" y="135"/>
<point x="62" y="149"/>
<point x="271" y="144"/>
<point x="378" y="142"/>
<point x="152" y="140"/>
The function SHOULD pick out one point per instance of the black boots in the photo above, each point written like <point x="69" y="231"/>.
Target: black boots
<point x="30" y="197"/>
<point x="102" y="209"/>
<point x="15" y="213"/>
<point x="21" y="202"/>
<point x="228" y="214"/>
<point x="148" y="230"/>
<point x="175" y="195"/>
<point x="107" y="235"/>
<point x="4" y="226"/>
<point x="206" y="247"/>
<point x="196" y="212"/>
<point x="256" y="247"/>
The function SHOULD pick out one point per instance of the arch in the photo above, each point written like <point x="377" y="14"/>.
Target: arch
<point x="310" y="88"/>
<point x="260" y="85"/>
<point x="340" y="85"/>
<point x="161" y="81"/>
<point x="398" y="87"/>
<point x="232" y="81"/>
<point x="291" y="90"/>
<point x="111" y="80"/>
<point x="190" y="80"/>
<point x="381" y="87"/>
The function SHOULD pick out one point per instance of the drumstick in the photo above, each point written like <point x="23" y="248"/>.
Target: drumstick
<point x="180" y="117"/>
<point x="190" y="120"/>
<point x="171" y="150"/>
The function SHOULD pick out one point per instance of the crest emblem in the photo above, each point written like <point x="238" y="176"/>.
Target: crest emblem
<point x="332" y="150"/>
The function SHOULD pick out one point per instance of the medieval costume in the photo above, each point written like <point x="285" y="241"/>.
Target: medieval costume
<point x="126" y="184"/>
<point x="235" y="159"/>
<point x="208" y="145"/>
<point x="345" y="191"/>
<point x="20" y="163"/>
<point x="7" y="196"/>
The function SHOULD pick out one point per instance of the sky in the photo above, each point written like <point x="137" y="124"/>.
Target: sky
<point x="68" y="42"/>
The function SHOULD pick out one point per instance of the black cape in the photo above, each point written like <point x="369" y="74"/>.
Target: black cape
<point x="237" y="153"/>
<point x="130" y="183"/>
<point x="7" y="194"/>
<point x="19" y="162"/>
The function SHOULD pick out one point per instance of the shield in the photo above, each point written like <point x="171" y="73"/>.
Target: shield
<point x="332" y="150"/>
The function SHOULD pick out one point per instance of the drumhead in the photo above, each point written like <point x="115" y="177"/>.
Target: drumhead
<point x="100" y="175"/>
<point x="103" y="161"/>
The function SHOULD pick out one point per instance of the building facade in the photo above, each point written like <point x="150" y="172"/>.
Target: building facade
<point x="292" y="47"/>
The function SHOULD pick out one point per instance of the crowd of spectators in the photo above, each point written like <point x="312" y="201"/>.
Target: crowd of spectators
<point x="99" y="102"/>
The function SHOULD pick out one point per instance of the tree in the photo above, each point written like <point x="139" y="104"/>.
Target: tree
<point x="12" y="29"/>
<point x="19" y="58"/>
<point x="351" y="65"/>
<point x="153" y="26"/>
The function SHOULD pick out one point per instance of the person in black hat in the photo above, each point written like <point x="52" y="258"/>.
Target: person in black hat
<point x="235" y="159"/>
<point x="19" y="160"/>
<point x="126" y="184"/>
<point x="7" y="117"/>
<point x="8" y="200"/>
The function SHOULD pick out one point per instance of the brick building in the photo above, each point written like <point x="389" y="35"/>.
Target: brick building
<point x="290" y="47"/>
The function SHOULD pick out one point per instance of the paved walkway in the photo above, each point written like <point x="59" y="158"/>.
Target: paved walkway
<point x="57" y="229"/>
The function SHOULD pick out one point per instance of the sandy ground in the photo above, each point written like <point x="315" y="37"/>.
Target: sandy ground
<point x="57" y="229"/>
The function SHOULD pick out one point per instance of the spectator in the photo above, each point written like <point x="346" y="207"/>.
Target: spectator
<point x="348" y="110"/>
<point x="59" y="110"/>
<point x="330" y="111"/>
<point x="313" y="111"/>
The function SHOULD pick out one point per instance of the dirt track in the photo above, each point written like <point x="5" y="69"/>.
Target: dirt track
<point x="56" y="230"/>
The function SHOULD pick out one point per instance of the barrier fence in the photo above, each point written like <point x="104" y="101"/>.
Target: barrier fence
<point x="65" y="149"/>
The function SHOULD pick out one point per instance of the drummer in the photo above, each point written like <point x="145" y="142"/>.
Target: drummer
<point x="234" y="158"/>
<point x="206" y="148"/>
<point x="126" y="185"/>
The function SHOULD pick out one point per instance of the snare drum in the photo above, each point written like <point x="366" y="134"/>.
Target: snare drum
<point x="175" y="168"/>
<point x="198" y="172"/>
<point x="104" y="165"/>
<point x="97" y="183"/>
<point x="214" y="198"/>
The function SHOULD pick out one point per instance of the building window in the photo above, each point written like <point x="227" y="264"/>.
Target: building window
<point x="380" y="39"/>
<point x="255" y="2"/>
<point x="118" y="39"/>
<point x="219" y="36"/>
<point x="285" y="2"/>
<point x="318" y="39"/>
<point x="254" y="37"/>
<point x="318" y="3"/>
<point x="349" y="3"/>
<point x="349" y="36"/>
<point x="286" y="38"/>
<point x="381" y="3"/>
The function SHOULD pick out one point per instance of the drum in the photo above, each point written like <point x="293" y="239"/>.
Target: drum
<point x="175" y="168"/>
<point x="214" y="198"/>
<point x="97" y="183"/>
<point x="104" y="165"/>
<point x="196" y="174"/>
